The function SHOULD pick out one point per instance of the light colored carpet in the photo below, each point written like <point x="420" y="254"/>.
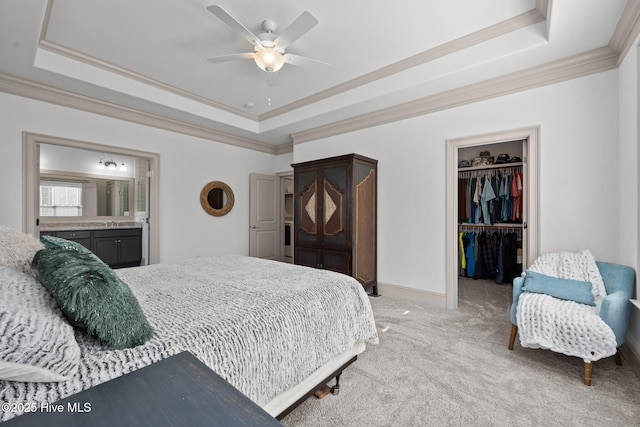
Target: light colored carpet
<point x="453" y="368"/>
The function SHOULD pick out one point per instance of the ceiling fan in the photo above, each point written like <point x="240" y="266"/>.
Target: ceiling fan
<point x="269" y="49"/>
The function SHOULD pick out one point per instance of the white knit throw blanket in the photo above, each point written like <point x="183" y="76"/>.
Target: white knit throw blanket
<point x="563" y="326"/>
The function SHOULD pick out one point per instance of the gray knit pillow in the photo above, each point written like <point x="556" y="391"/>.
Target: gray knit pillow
<point x="17" y="249"/>
<point x="36" y="342"/>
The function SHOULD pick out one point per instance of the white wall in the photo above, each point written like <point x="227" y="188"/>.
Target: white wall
<point x="70" y="159"/>
<point x="283" y="162"/>
<point x="578" y="174"/>
<point x="629" y="98"/>
<point x="186" y="165"/>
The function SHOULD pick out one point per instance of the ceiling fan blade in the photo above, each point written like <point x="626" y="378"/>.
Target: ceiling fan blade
<point x="297" y="28"/>
<point x="303" y="61"/>
<point x="235" y="24"/>
<point x="272" y="79"/>
<point x="231" y="57"/>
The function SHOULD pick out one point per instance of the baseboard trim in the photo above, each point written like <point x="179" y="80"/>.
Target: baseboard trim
<point x="432" y="299"/>
<point x="631" y="357"/>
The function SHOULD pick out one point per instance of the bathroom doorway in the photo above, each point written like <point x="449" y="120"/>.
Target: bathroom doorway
<point x="70" y="160"/>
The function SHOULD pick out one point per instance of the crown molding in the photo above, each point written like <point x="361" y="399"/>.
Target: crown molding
<point x="627" y="30"/>
<point x="521" y="21"/>
<point x="40" y="92"/>
<point x="580" y="65"/>
<point x="542" y="6"/>
<point x="284" y="148"/>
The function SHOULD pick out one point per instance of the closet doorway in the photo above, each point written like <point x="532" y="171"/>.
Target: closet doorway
<point x="508" y="227"/>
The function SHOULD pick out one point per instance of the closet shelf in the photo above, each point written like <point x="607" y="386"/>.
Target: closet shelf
<point x="494" y="166"/>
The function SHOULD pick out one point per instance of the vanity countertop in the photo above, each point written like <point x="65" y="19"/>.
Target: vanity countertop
<point x="93" y="225"/>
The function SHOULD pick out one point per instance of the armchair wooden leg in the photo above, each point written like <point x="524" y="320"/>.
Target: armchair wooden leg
<point x="512" y="339"/>
<point x="588" y="370"/>
<point x="617" y="358"/>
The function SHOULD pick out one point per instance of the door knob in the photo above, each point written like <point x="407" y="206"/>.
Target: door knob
<point x="253" y="227"/>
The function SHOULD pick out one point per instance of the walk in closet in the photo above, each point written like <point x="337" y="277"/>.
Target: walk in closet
<point x="491" y="211"/>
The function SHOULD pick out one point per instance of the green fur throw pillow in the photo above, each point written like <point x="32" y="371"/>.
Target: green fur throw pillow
<point x="93" y="297"/>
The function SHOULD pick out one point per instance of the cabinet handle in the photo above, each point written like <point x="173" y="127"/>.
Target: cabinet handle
<point x="319" y="265"/>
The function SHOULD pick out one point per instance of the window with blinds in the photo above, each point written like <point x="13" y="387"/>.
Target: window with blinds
<point x="60" y="198"/>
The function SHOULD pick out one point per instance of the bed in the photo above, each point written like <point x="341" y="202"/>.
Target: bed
<point x="275" y="331"/>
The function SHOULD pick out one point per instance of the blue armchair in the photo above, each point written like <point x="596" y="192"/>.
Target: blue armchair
<point x="615" y="310"/>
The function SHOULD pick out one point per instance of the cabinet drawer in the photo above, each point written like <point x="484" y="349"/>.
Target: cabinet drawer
<point x="80" y="234"/>
<point x="307" y="257"/>
<point x="117" y="232"/>
<point x="337" y="261"/>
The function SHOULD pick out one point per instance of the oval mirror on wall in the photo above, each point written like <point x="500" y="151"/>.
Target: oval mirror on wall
<point x="217" y="198"/>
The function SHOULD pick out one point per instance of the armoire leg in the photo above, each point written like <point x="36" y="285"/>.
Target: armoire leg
<point x="512" y="339"/>
<point x="617" y="358"/>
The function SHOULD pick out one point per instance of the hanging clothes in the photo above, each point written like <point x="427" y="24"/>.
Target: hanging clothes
<point x="490" y="196"/>
<point x="487" y="196"/>
<point x="462" y="199"/>
<point x="490" y="255"/>
<point x="500" y="263"/>
<point x="471" y="257"/>
<point x="488" y="201"/>
<point x="463" y="256"/>
<point x="510" y="257"/>
<point x="479" y="272"/>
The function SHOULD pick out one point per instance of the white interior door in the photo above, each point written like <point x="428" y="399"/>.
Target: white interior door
<point x="264" y="221"/>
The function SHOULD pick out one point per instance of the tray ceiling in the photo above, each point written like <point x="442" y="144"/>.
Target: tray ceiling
<point x="150" y="56"/>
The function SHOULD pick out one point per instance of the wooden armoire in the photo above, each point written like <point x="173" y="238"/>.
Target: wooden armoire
<point x="335" y="204"/>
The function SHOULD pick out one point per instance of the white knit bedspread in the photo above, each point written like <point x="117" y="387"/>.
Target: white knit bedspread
<point x="563" y="326"/>
<point x="264" y="326"/>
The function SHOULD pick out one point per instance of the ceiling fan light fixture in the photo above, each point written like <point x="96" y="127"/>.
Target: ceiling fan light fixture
<point x="269" y="59"/>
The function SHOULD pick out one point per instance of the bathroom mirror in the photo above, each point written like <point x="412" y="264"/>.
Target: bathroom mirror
<point x="217" y="198"/>
<point x="82" y="195"/>
<point x="72" y="186"/>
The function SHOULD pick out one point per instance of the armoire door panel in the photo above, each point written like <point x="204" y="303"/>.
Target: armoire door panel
<point x="334" y="205"/>
<point x="306" y="209"/>
<point x="333" y="211"/>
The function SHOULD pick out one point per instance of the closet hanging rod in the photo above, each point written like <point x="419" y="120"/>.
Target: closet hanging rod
<point x="491" y="172"/>
<point x="489" y="226"/>
<point x="493" y="166"/>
